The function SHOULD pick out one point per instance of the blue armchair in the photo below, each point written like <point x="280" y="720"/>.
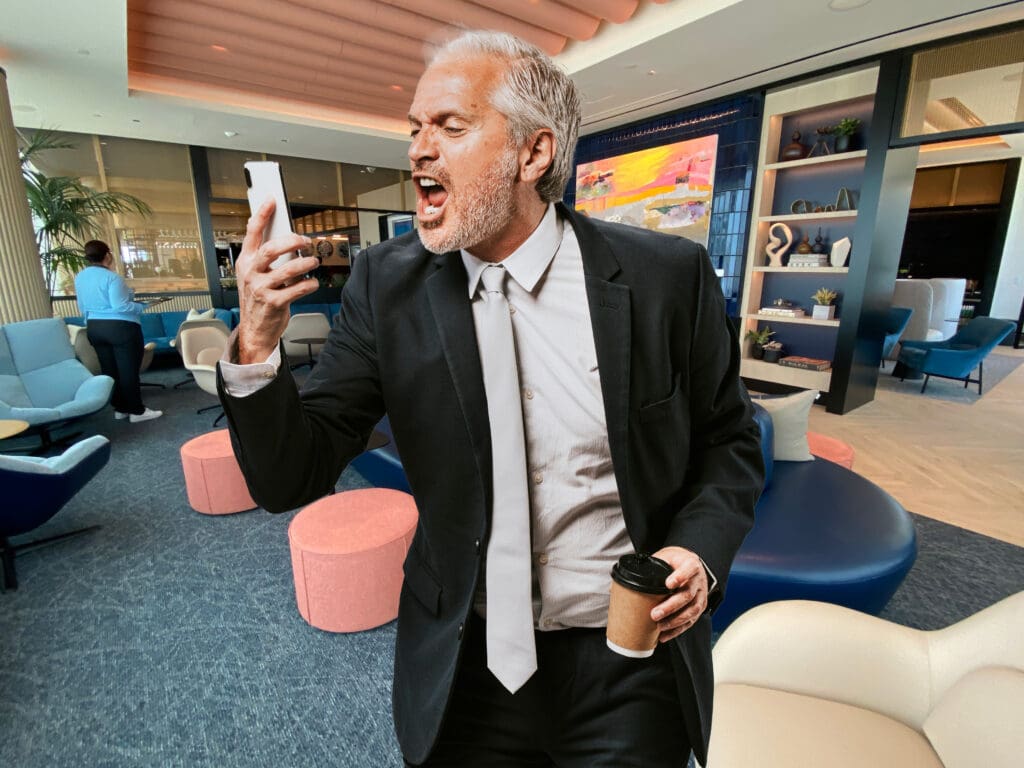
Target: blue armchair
<point x="957" y="356"/>
<point x="899" y="317"/>
<point x="35" y="489"/>
<point x="42" y="382"/>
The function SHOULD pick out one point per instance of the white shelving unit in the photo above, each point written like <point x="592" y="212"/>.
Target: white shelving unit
<point x="820" y="96"/>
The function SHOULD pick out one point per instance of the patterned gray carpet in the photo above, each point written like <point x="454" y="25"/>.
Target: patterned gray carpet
<point x="170" y="638"/>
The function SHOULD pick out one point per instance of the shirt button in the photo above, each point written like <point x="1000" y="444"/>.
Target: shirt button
<point x="269" y="374"/>
<point x="538" y="478"/>
<point x="529" y="394"/>
<point x="511" y="309"/>
<point x="547" y="623"/>
<point x="476" y="546"/>
<point x="543" y="559"/>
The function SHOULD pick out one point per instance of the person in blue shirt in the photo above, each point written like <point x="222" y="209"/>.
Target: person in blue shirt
<point x="113" y="327"/>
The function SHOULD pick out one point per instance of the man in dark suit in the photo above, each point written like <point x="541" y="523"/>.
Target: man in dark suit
<point x="636" y="432"/>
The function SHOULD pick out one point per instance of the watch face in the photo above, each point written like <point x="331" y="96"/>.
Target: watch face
<point x="324" y="248"/>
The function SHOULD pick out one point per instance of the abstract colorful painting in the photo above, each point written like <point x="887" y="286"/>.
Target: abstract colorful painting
<point x="667" y="188"/>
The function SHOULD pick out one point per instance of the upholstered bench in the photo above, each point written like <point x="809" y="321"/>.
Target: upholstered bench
<point x="821" y="532"/>
<point x="831" y="448"/>
<point x="212" y="477"/>
<point x="347" y="554"/>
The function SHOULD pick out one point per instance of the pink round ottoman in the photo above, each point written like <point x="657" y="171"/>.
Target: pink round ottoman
<point x="212" y="478"/>
<point x="830" y="448"/>
<point x="347" y="556"/>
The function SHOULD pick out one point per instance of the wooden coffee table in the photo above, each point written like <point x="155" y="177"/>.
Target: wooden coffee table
<point x="12" y="427"/>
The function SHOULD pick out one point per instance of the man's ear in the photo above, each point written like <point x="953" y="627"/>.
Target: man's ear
<point x="537" y="155"/>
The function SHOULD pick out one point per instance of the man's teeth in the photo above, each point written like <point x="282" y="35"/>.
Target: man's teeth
<point x="430" y="210"/>
<point x="425" y="182"/>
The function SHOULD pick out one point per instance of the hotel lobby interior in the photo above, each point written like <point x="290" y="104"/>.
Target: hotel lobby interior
<point x="177" y="630"/>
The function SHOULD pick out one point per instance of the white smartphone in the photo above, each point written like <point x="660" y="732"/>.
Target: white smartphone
<point x="263" y="179"/>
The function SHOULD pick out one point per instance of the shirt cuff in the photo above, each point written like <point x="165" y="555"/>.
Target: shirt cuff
<point x="243" y="380"/>
<point x="712" y="580"/>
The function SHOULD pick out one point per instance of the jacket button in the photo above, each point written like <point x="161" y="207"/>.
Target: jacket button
<point x="462" y="627"/>
<point x="476" y="545"/>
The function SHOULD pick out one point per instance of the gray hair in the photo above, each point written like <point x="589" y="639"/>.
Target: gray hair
<point x="534" y="93"/>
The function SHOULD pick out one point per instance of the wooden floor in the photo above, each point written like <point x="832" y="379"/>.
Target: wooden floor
<point x="956" y="462"/>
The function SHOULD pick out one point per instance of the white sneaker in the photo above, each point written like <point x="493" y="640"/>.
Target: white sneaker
<point x="119" y="416"/>
<point x="146" y="415"/>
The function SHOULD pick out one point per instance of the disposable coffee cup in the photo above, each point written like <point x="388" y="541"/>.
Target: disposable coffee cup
<point x="638" y="584"/>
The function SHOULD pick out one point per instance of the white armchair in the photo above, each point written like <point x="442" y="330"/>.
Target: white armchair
<point x="809" y="684"/>
<point x="201" y="348"/>
<point x="305" y="325"/>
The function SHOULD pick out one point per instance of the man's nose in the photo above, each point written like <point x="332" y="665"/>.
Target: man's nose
<point x="422" y="147"/>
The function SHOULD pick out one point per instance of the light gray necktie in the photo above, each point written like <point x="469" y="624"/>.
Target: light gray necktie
<point x="511" y="653"/>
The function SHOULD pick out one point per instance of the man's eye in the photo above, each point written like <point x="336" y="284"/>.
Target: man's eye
<point x="414" y="132"/>
<point x="454" y="130"/>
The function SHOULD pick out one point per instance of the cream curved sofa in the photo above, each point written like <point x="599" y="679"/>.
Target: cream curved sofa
<point x="811" y="684"/>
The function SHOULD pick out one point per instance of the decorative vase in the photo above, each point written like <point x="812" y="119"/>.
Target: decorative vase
<point x="794" y="150"/>
<point x="823" y="311"/>
<point x="757" y="351"/>
<point x="805" y="246"/>
<point x="772" y="355"/>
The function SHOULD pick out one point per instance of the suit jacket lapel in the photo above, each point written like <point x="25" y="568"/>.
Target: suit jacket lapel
<point x="610" y="317"/>
<point x="453" y="315"/>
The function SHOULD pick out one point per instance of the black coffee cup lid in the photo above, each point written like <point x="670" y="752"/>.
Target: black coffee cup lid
<point x="642" y="573"/>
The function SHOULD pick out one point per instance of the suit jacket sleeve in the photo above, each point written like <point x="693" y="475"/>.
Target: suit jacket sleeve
<point x="292" y="446"/>
<point x="726" y="471"/>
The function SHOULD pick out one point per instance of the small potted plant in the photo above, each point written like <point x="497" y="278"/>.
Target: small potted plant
<point x="824" y="309"/>
<point x="772" y="351"/>
<point x="758" y="338"/>
<point x="844" y="131"/>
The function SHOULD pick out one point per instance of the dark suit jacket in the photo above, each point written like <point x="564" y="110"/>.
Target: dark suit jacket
<point x="683" y="442"/>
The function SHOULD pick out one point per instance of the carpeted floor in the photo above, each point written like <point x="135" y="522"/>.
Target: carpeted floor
<point x="997" y="367"/>
<point x="170" y="638"/>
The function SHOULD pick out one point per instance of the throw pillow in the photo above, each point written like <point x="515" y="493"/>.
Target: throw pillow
<point x="789" y="420"/>
<point x="205" y="314"/>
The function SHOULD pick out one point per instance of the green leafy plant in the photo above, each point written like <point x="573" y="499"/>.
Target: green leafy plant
<point x="846" y="127"/>
<point x="824" y="296"/>
<point x="65" y="212"/>
<point x="760" y="336"/>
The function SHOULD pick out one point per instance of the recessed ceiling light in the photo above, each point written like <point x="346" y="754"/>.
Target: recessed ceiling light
<point x="219" y="48"/>
<point x="652" y="71"/>
<point x="231" y="134"/>
<point x="846" y="5"/>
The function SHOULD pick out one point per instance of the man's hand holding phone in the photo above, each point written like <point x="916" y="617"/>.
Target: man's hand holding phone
<point x="264" y="292"/>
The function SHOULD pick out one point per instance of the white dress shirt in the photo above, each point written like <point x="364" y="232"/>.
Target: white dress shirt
<point x="577" y="526"/>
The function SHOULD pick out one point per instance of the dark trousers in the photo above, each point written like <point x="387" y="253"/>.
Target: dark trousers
<point x="584" y="707"/>
<point x="118" y="345"/>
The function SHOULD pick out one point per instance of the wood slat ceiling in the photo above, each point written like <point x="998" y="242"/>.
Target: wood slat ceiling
<point x="350" y="61"/>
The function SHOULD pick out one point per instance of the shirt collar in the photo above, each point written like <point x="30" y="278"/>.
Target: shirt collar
<point x="527" y="263"/>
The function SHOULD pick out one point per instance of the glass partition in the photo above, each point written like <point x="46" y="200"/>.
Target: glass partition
<point x="967" y="88"/>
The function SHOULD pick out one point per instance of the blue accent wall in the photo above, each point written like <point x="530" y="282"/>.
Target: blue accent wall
<point x="737" y="121"/>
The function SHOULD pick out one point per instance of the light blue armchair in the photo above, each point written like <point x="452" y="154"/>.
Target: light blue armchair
<point x="42" y="382"/>
<point x="957" y="356"/>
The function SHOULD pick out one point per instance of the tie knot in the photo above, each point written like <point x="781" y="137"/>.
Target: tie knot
<point x="493" y="278"/>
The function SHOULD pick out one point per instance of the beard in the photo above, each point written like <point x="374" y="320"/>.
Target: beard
<point x="476" y="210"/>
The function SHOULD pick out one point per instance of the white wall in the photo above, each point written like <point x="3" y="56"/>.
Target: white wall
<point x="1010" y="283"/>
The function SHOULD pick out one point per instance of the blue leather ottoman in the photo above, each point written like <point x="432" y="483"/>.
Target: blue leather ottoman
<point x="821" y="532"/>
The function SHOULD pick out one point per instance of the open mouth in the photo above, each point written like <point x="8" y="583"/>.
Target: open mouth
<point x="431" y="197"/>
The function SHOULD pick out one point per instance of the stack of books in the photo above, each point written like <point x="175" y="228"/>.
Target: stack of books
<point x="782" y="311"/>
<point x="807" y="363"/>
<point x="805" y="260"/>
